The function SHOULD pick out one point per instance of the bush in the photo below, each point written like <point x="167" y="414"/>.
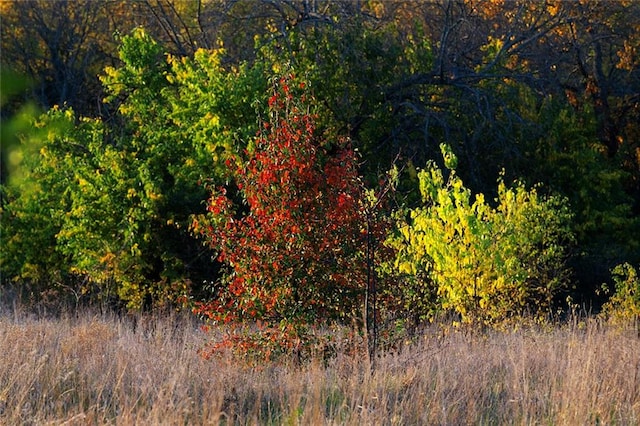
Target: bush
<point x="480" y="262"/>
<point x="624" y="305"/>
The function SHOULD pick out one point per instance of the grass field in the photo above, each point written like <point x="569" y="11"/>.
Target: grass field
<point x="92" y="369"/>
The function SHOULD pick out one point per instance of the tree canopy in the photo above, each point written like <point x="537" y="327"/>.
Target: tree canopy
<point x="157" y="113"/>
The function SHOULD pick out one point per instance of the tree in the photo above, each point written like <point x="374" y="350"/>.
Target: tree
<point x="61" y="46"/>
<point x="32" y="210"/>
<point x="294" y="251"/>
<point x="120" y="198"/>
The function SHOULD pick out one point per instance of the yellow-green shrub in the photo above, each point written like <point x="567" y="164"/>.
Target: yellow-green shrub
<point x="624" y="305"/>
<point x="481" y="262"/>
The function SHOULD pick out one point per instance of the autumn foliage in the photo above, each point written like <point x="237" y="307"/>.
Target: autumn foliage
<point x="290" y="231"/>
<point x="100" y="194"/>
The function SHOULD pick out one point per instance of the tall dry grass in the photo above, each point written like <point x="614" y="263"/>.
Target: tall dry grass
<point x="94" y="369"/>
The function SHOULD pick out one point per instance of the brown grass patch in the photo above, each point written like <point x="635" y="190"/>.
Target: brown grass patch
<point x="98" y="370"/>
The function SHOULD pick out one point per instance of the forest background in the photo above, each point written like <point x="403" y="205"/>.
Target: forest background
<point x="479" y="159"/>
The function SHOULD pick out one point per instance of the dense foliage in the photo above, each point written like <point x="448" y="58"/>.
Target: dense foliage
<point x="294" y="250"/>
<point x="178" y="120"/>
<point x="484" y="263"/>
<point x="624" y="305"/>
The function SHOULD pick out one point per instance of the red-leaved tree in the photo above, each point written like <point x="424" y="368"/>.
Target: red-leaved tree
<point x="295" y="247"/>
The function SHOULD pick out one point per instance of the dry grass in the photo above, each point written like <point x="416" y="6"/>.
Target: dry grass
<point x="97" y="370"/>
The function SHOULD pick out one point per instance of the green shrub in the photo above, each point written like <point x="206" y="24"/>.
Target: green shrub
<point x="481" y="262"/>
<point x="624" y="305"/>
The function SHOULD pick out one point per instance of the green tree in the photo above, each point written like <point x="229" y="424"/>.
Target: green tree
<point x="121" y="193"/>
<point x="32" y="209"/>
